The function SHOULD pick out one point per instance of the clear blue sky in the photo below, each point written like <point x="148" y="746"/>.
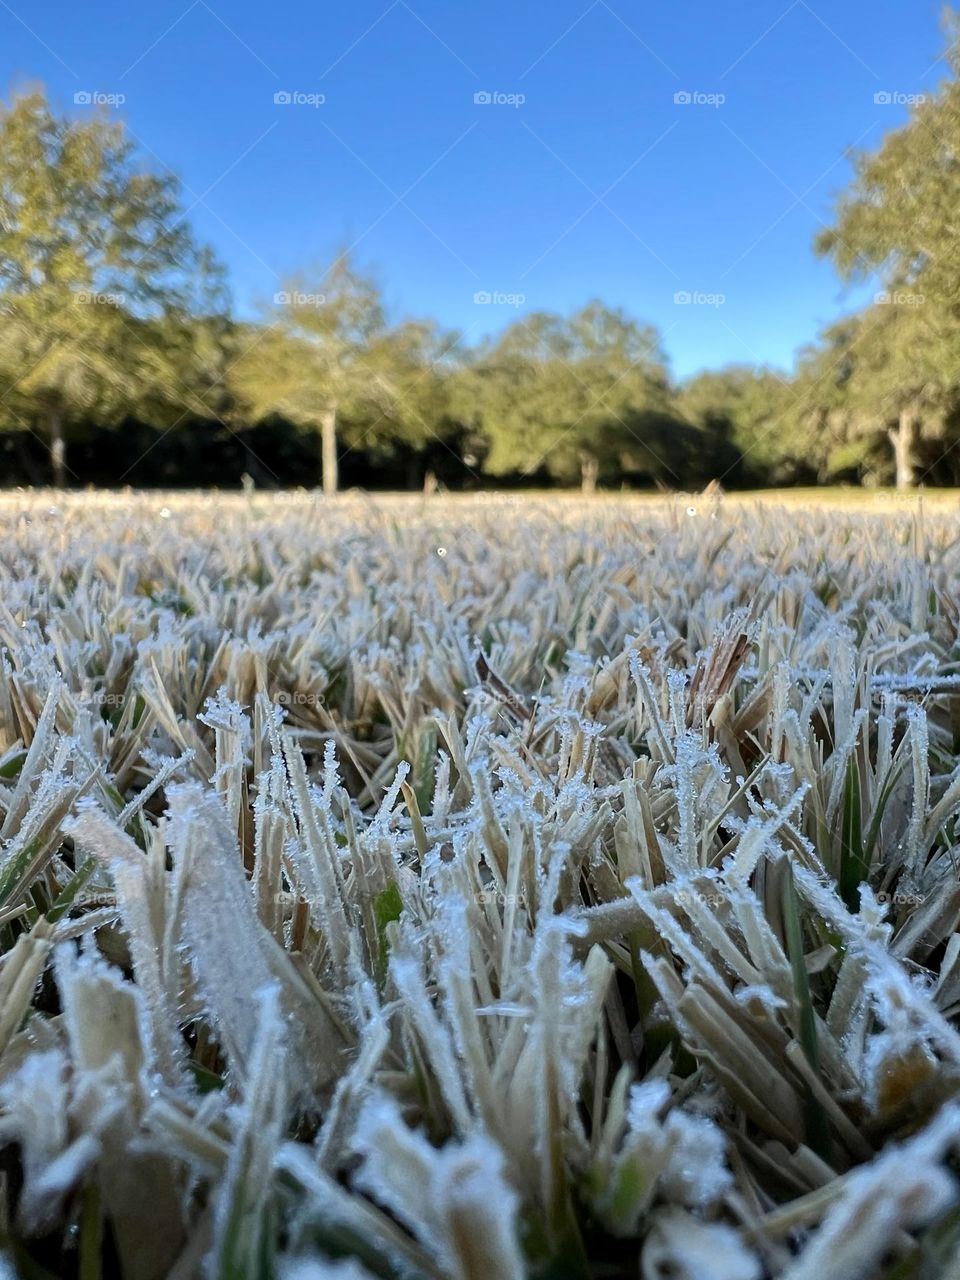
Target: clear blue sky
<point x="598" y="184"/>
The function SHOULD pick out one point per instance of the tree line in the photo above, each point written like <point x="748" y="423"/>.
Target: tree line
<point x="121" y="360"/>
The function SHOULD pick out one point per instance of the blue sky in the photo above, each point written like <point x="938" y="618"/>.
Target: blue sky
<point x="597" y="183"/>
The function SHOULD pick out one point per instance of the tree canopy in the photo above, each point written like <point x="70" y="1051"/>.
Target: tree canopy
<point x="99" y="272"/>
<point x="898" y="224"/>
<point x="566" y="394"/>
<point x="329" y="361"/>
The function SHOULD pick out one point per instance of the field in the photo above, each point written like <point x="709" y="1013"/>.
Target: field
<point x="474" y="889"/>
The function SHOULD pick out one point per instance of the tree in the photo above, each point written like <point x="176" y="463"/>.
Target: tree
<point x="96" y="263"/>
<point x="417" y="365"/>
<point x="899" y="220"/>
<point x="871" y="382"/>
<point x="566" y="394"/>
<point x="745" y="408"/>
<point x="328" y="358"/>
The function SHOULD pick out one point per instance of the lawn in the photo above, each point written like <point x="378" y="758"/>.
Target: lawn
<point x="479" y="888"/>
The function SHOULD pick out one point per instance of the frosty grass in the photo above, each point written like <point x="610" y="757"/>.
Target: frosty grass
<point x="478" y="889"/>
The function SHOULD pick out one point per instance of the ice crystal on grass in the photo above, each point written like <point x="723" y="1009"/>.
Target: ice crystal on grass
<point x="584" y="901"/>
<point x="35" y="1103"/>
<point x="684" y="1247"/>
<point x="456" y="1200"/>
<point x="311" y="1269"/>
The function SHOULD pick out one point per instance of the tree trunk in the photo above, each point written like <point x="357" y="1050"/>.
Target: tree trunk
<point x="904" y="441"/>
<point x="58" y="447"/>
<point x="328" y="451"/>
<point x="589" y="470"/>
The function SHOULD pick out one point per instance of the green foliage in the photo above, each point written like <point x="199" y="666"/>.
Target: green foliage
<point x="747" y="409"/>
<point x="896" y="224"/>
<point x="387" y="908"/>
<point x="312" y="355"/>
<point x="853" y="864"/>
<point x="99" y="275"/>
<point x="568" y="394"/>
<point x="328" y="361"/>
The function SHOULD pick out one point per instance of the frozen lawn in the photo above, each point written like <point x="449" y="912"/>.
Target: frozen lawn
<point x="479" y="888"/>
